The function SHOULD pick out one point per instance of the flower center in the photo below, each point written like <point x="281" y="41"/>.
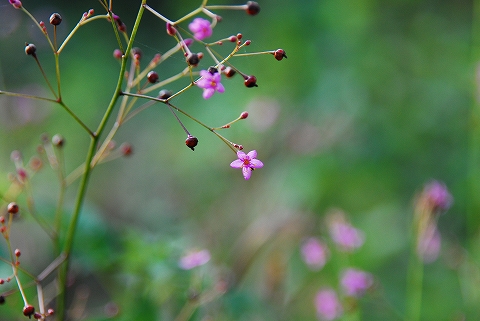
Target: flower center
<point x="213" y="84"/>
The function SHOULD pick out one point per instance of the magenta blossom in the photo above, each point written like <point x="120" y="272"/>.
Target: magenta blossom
<point x="201" y="28"/>
<point x="356" y="282"/>
<point x="314" y="253"/>
<point x="210" y="82"/>
<point x="437" y="196"/>
<point x="247" y="162"/>
<point x="327" y="305"/>
<point x="194" y="259"/>
<point x="17" y="4"/>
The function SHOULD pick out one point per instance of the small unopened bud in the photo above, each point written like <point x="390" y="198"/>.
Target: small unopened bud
<point x="17" y="4"/>
<point x="229" y="72"/>
<point x="232" y="39"/>
<point x="117" y="54"/>
<point x="191" y="142"/>
<point x="12" y="208"/>
<point x="187" y="42"/>
<point x="55" y="19"/>
<point x="50" y="311"/>
<point x="126" y="149"/>
<point x="252" y="8"/>
<point x="30" y="49"/>
<point x="37" y="316"/>
<point x="58" y="140"/>
<point x="279" y="54"/>
<point x="18" y="253"/>
<point x="250" y="81"/>
<point x="137" y="53"/>
<point x="248" y="42"/>
<point x="244" y="115"/>
<point x="28" y="310"/>
<point x="2" y="221"/>
<point x="152" y="77"/>
<point x="164" y="94"/>
<point x="239" y="36"/>
<point x="2" y="281"/>
<point x="171" y="30"/>
<point x="120" y="25"/>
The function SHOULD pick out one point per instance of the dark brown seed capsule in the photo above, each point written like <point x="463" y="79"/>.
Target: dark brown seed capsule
<point x="279" y="54"/>
<point x="12" y="208"/>
<point x="28" y="310"/>
<point x="30" y="49"/>
<point x="253" y="8"/>
<point x="191" y="142"/>
<point x="164" y="94"/>
<point x="251" y="81"/>
<point x="55" y="19"/>
<point x="152" y="77"/>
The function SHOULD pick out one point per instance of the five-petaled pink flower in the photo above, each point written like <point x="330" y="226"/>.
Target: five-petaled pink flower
<point x="327" y="305"/>
<point x="201" y="28"/>
<point x="210" y="82"/>
<point x="247" y="162"/>
<point x="314" y="253"/>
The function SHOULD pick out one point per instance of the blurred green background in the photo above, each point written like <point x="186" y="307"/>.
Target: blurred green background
<point x="373" y="101"/>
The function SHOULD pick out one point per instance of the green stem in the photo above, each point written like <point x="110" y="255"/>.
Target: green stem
<point x="62" y="282"/>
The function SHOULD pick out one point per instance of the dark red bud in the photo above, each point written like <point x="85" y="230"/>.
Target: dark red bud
<point x="152" y="77"/>
<point x="279" y="54"/>
<point x="55" y="19"/>
<point x="12" y="208"/>
<point x="244" y="115"/>
<point x="229" y="72"/>
<point x="191" y="142"/>
<point x="252" y="8"/>
<point x="117" y="54"/>
<point x="137" y="53"/>
<point x="232" y="39"/>
<point x="239" y="36"/>
<point x="17" y="4"/>
<point x="18" y="253"/>
<point x="171" y="30"/>
<point x="28" y="310"/>
<point x="250" y="81"/>
<point x="30" y="49"/>
<point x="50" y="311"/>
<point x="37" y="316"/>
<point x="248" y="42"/>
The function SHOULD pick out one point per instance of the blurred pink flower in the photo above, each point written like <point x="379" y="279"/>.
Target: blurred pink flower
<point x="437" y="196"/>
<point x="327" y="305"/>
<point x="346" y="236"/>
<point x="314" y="253"/>
<point x="247" y="162"/>
<point x="201" y="28"/>
<point x="429" y="244"/>
<point x="355" y="282"/>
<point x="210" y="82"/>
<point x="194" y="259"/>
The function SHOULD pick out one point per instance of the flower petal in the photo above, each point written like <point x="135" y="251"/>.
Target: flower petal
<point x="220" y="88"/>
<point x="252" y="154"/>
<point x="241" y="155"/>
<point x="238" y="163"/>
<point x="247" y="172"/>
<point x="208" y="92"/>
<point x="255" y="163"/>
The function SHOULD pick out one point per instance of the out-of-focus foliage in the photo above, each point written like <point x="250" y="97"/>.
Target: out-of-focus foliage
<point x="373" y="101"/>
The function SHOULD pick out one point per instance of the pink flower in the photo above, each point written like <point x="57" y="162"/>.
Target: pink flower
<point x="201" y="28"/>
<point x="327" y="304"/>
<point x="17" y="4"/>
<point x="210" y="82"/>
<point x="356" y="282"/>
<point x="194" y="259"/>
<point x="437" y="196"/>
<point x="247" y="162"/>
<point x="314" y="253"/>
<point x="343" y="233"/>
